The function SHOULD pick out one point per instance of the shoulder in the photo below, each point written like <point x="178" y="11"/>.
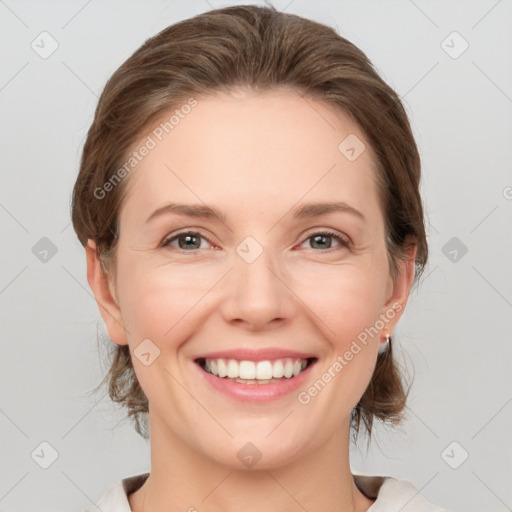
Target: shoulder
<point x="115" y="499"/>
<point x="391" y="495"/>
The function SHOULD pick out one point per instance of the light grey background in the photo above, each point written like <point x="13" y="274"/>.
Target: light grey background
<point x="455" y="334"/>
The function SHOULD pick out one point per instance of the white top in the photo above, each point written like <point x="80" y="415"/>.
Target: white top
<point x="391" y="495"/>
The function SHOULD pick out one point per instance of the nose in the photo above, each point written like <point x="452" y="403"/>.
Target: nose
<point x="257" y="294"/>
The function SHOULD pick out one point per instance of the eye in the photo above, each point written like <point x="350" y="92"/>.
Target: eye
<point x="187" y="241"/>
<point x="323" y="239"/>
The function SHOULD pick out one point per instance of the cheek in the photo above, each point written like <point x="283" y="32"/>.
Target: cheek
<point x="346" y="298"/>
<point x="347" y="302"/>
<point x="157" y="300"/>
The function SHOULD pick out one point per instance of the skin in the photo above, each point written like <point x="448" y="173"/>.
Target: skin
<point x="255" y="157"/>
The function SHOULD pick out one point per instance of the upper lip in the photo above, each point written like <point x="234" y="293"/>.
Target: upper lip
<point x="256" y="354"/>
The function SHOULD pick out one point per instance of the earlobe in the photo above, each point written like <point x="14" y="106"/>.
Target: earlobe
<point x="101" y="286"/>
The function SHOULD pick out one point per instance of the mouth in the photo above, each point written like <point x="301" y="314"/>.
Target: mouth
<point x="255" y="372"/>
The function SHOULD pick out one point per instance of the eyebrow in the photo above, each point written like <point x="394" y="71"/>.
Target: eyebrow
<point x="304" y="211"/>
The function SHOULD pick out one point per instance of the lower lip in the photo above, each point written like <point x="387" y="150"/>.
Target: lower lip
<point x="256" y="392"/>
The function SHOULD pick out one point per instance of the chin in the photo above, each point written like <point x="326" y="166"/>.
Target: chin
<point x="255" y="453"/>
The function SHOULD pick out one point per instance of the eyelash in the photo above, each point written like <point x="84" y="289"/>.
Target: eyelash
<point x="342" y="241"/>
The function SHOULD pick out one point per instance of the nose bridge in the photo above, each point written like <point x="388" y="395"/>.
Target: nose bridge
<point x="257" y="293"/>
<point x="255" y="268"/>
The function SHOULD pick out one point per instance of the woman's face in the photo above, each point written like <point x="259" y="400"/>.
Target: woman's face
<point x="263" y="285"/>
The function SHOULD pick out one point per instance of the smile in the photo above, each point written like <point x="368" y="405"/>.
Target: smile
<point x="255" y="372"/>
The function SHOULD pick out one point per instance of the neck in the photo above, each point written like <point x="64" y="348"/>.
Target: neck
<point x="183" y="479"/>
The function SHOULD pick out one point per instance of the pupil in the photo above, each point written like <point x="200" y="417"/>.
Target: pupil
<point x="187" y="239"/>
<point x="321" y="237"/>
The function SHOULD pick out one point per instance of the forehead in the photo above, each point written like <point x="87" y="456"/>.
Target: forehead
<point x="253" y="150"/>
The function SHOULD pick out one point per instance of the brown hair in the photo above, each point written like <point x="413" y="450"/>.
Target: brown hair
<point x="257" y="48"/>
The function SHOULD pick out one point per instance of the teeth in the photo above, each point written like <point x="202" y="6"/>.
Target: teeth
<point x="263" y="370"/>
<point x="250" y="372"/>
<point x="233" y="369"/>
<point x="278" y="369"/>
<point x="288" y="368"/>
<point x="221" y="368"/>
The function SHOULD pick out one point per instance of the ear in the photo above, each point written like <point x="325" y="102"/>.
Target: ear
<point x="102" y="287"/>
<point x="398" y="290"/>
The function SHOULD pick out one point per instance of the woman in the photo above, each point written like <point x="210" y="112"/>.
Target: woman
<point x="249" y="202"/>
